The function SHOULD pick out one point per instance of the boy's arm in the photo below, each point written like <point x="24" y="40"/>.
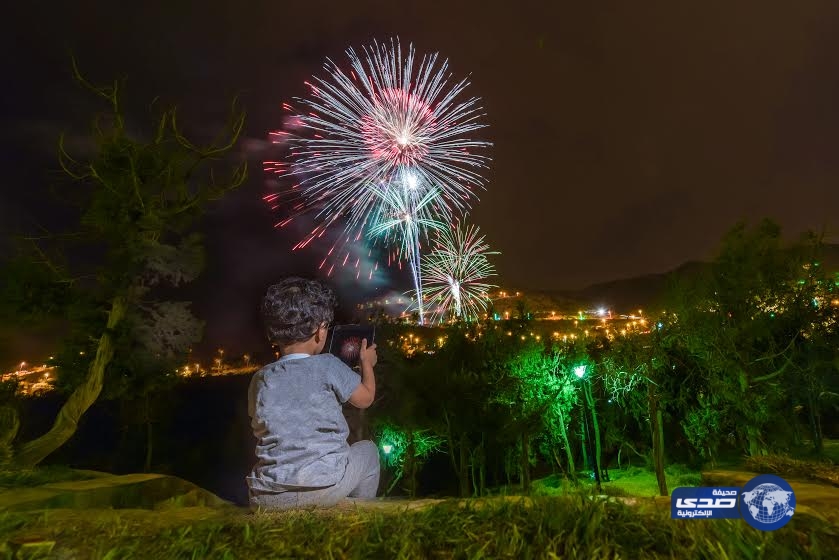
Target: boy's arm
<point x="365" y="394"/>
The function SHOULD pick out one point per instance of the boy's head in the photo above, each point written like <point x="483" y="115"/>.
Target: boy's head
<point x="298" y="311"/>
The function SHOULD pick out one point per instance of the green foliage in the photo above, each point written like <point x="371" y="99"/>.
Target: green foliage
<point x="405" y="448"/>
<point x="750" y="328"/>
<point x="393" y="444"/>
<point x="743" y="350"/>
<point x="8" y="391"/>
<point x="540" y="394"/>
<point x="30" y="291"/>
<point x="683" y="475"/>
<point x="703" y="429"/>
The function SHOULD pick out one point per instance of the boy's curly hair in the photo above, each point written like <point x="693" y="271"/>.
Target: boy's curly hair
<point x="293" y="309"/>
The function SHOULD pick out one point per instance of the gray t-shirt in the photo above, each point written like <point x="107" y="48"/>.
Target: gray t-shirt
<point x="301" y="432"/>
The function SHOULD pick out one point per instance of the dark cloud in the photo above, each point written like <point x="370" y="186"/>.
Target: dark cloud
<point x="628" y="137"/>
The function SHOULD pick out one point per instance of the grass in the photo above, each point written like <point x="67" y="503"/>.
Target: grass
<point x="831" y="450"/>
<point x="632" y="481"/>
<point x="565" y="523"/>
<point x="541" y="527"/>
<point x="41" y="475"/>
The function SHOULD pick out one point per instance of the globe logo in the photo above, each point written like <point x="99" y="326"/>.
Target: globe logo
<point x="767" y="502"/>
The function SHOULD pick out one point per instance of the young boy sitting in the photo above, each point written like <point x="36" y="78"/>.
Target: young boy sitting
<point x="303" y="458"/>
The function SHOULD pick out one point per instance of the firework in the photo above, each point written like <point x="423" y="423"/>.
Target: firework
<point x="405" y="215"/>
<point x="363" y="130"/>
<point x="456" y="272"/>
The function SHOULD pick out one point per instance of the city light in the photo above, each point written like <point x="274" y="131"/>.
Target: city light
<point x="556" y="324"/>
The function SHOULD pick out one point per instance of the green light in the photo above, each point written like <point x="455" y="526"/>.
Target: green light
<point x="580" y="371"/>
<point x="387" y="448"/>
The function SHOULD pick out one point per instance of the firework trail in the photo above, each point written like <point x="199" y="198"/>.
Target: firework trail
<point x="362" y="131"/>
<point x="456" y="272"/>
<point x="405" y="215"/>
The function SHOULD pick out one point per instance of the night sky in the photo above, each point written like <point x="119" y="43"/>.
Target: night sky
<point x="627" y="139"/>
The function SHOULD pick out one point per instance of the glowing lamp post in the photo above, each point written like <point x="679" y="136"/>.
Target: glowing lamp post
<point x="580" y="372"/>
<point x="387" y="448"/>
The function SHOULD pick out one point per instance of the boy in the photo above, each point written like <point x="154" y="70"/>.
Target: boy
<point x="303" y="458"/>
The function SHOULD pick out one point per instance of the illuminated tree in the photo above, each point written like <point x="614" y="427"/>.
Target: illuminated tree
<point x="540" y="396"/>
<point x="557" y="418"/>
<point x="140" y="199"/>
<point x="404" y="451"/>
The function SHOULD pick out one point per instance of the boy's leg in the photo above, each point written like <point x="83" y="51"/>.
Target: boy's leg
<point x="324" y="497"/>
<point x="363" y="470"/>
<point x="361" y="480"/>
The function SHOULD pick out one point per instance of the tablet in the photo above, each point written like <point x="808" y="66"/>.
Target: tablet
<point x="345" y="342"/>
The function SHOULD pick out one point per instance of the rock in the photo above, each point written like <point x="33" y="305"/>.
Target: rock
<point x="145" y="491"/>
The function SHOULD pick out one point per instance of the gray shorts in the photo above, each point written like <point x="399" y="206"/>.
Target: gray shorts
<point x="361" y="480"/>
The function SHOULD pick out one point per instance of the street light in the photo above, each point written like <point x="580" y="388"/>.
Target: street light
<point x="580" y="372"/>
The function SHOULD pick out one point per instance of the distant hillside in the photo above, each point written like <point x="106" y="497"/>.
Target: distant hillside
<point x="629" y="294"/>
<point x="644" y="292"/>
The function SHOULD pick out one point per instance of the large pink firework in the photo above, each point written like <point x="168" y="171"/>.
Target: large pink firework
<point x="363" y="130"/>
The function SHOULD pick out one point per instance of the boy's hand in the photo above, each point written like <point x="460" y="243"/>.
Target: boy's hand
<point x="368" y="356"/>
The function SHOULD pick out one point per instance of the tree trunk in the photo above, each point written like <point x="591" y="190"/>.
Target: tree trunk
<point x="476" y="465"/>
<point x="525" y="462"/>
<point x="67" y="421"/>
<point x="564" y="433"/>
<point x="596" y="430"/>
<point x="411" y="465"/>
<point x="450" y="444"/>
<point x="9" y="426"/>
<point x="584" y="427"/>
<point x="149" y="437"/>
<point x="657" y="429"/>
<point x="464" y="467"/>
<point x="815" y="422"/>
<point x="482" y="471"/>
